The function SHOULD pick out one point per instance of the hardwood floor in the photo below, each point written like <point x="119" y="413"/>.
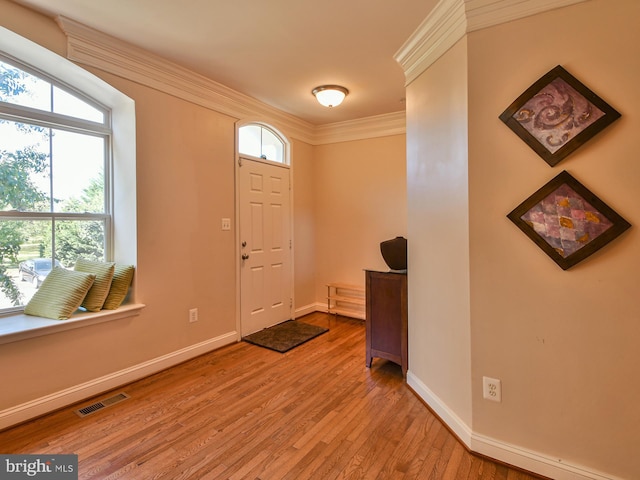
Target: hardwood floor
<point x="244" y="412"/>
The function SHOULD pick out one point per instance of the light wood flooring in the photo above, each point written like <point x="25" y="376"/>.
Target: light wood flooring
<point x="245" y="412"/>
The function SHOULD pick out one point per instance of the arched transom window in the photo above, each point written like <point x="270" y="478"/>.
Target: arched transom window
<point x="261" y="142"/>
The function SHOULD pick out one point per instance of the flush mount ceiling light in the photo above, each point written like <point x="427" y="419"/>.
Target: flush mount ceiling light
<point x="330" y="95"/>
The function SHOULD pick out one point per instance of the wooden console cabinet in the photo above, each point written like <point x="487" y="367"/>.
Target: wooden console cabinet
<point x="386" y="317"/>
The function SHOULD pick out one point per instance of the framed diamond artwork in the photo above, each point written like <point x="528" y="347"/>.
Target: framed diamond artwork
<point x="558" y="114"/>
<point x="567" y="221"/>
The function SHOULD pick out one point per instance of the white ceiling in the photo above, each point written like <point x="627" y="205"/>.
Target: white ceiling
<point x="276" y="51"/>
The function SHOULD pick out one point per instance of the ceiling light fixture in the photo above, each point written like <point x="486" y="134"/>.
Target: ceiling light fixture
<point x="330" y="95"/>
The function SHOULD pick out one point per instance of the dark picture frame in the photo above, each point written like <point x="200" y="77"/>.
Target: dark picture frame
<point x="567" y="221"/>
<point x="558" y="114"/>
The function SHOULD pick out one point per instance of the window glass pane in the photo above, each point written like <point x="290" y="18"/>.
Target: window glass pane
<point x="272" y="147"/>
<point x="78" y="172"/>
<point x="24" y="167"/>
<point x="80" y="239"/>
<point x="249" y="142"/>
<point x="22" y="243"/>
<point x="25" y="253"/>
<point x="21" y="88"/>
<point x="67" y="104"/>
<point x="261" y="142"/>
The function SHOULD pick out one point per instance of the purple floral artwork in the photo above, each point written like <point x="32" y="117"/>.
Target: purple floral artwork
<point x="566" y="221"/>
<point x="557" y="114"/>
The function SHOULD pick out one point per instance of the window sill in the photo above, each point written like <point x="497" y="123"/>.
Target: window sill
<point x="14" y="328"/>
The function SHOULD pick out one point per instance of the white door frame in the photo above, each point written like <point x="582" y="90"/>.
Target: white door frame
<point x="237" y="250"/>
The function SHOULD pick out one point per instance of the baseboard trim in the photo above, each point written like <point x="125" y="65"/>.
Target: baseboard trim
<point x="40" y="406"/>
<point x="533" y="461"/>
<point x="312" y="307"/>
<point x="457" y="426"/>
<point x="502" y="452"/>
<point x="322" y="307"/>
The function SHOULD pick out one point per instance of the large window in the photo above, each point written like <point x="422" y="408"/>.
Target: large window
<point x="55" y="170"/>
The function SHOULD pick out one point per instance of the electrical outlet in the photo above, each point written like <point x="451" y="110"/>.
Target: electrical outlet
<point x="226" y="224"/>
<point x="193" y="315"/>
<point x="492" y="389"/>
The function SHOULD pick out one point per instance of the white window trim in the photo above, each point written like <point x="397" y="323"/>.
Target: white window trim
<point x="124" y="242"/>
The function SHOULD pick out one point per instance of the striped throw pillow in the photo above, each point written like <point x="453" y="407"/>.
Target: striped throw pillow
<point x="100" y="289"/>
<point x="60" y="294"/>
<point x="122" y="278"/>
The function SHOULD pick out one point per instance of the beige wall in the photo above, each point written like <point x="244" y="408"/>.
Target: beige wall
<point x="37" y="28"/>
<point x="437" y="190"/>
<point x="304" y="227"/>
<point x="562" y="342"/>
<point x="360" y="201"/>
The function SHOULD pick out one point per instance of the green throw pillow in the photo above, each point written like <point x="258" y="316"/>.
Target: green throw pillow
<point x="122" y="277"/>
<point x="60" y="294"/>
<point x="100" y="289"/>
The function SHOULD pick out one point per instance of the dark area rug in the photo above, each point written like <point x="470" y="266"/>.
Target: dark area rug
<point x="285" y="336"/>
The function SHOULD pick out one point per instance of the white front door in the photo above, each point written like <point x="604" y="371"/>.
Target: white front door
<point x="265" y="239"/>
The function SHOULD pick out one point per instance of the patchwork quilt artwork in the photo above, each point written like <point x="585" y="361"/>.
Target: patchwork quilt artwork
<point x="567" y="221"/>
<point x="557" y="114"/>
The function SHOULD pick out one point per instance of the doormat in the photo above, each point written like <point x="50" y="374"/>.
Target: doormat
<point x="285" y="336"/>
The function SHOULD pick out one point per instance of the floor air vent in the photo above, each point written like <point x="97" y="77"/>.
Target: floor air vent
<point x="107" y="402"/>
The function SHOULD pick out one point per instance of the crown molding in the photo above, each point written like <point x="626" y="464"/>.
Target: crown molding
<point x="96" y="49"/>
<point x="451" y="20"/>
<point x="487" y="13"/>
<point x="444" y="26"/>
<point x="99" y="50"/>
<point x="369" y="127"/>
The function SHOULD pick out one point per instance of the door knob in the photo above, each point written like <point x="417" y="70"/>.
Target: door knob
<point x="245" y="256"/>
